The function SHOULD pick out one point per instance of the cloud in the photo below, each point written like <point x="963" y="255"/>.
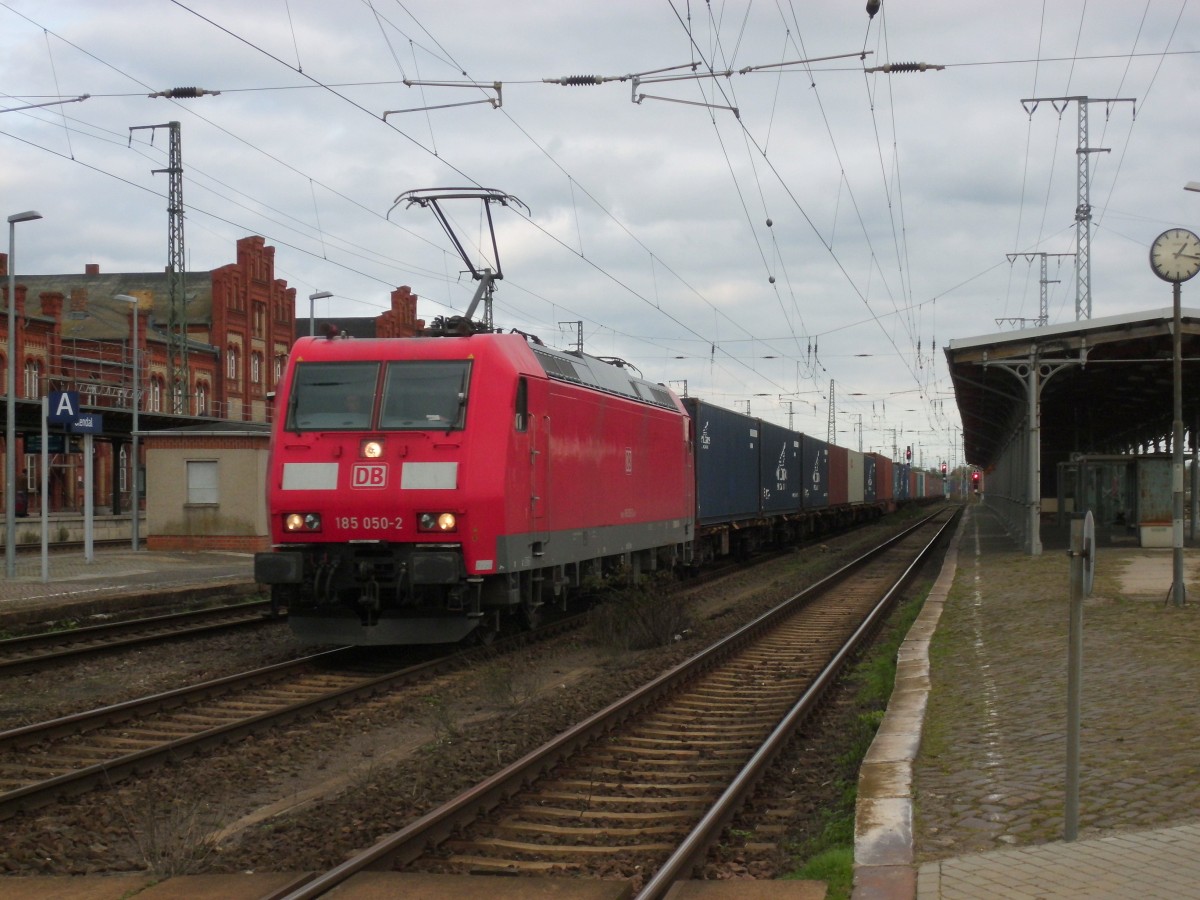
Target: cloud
<point x="893" y="200"/>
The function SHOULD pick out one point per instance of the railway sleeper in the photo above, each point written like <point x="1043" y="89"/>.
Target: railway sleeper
<point x="506" y="846"/>
<point x="589" y="815"/>
<point x="590" y="831"/>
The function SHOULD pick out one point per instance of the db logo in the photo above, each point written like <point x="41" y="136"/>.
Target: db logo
<point x="368" y="475"/>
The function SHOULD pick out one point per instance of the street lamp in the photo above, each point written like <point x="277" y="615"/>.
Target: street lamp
<point x="10" y="432"/>
<point x="312" y="299"/>
<point x="135" y="402"/>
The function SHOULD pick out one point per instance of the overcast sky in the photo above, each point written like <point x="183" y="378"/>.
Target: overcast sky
<point x="840" y="226"/>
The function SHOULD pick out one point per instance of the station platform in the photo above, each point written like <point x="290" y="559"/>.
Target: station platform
<point x="962" y="794"/>
<point x="73" y="586"/>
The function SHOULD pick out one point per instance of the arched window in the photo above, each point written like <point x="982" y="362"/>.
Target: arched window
<point x="201" y="399"/>
<point x="231" y="356"/>
<point x="256" y="367"/>
<point x="123" y="468"/>
<point x="156" y="393"/>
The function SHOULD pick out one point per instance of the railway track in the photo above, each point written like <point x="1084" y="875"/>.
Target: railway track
<point x="44" y="762"/>
<point x="647" y="785"/>
<point x="34" y="651"/>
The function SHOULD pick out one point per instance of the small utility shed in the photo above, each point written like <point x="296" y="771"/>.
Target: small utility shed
<point x="1034" y="399"/>
<point x="205" y="487"/>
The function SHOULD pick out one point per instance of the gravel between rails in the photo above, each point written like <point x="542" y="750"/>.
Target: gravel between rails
<point x="306" y="796"/>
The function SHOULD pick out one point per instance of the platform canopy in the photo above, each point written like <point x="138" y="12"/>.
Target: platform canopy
<point x="1106" y="385"/>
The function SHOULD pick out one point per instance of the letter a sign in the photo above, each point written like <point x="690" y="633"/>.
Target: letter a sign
<point x="64" y="406"/>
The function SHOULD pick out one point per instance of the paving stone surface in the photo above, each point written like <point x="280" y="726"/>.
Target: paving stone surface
<point x="991" y="769"/>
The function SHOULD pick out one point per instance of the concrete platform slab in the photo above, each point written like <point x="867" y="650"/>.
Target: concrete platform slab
<point x="67" y="887"/>
<point x="747" y="889"/>
<point x="222" y="887"/>
<point x="413" y="886"/>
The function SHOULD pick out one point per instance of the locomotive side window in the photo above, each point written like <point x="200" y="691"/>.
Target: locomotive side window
<point x="522" y="415"/>
<point x="332" y="396"/>
<point x="425" y="394"/>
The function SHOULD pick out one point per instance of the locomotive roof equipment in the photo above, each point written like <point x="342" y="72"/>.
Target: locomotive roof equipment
<point x="430" y="198"/>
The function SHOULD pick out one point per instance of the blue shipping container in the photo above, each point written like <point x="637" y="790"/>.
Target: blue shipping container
<point x="814" y="459"/>
<point x="779" y="468"/>
<point x="869" y="479"/>
<point x="727" y="482"/>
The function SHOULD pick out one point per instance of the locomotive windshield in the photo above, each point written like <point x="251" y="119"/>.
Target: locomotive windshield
<point x="425" y="394"/>
<point x="332" y="396"/>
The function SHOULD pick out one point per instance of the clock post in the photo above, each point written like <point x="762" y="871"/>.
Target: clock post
<point x="1178" y="587"/>
<point x="1175" y="257"/>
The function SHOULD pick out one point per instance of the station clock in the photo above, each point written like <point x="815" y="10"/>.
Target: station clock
<point x="1175" y="255"/>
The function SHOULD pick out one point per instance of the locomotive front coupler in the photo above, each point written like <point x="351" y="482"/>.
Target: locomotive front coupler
<point x="369" y="601"/>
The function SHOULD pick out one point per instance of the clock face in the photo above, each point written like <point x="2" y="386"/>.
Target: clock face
<point x="1175" y="255"/>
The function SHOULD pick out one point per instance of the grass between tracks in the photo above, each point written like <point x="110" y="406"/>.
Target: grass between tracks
<point x="829" y="857"/>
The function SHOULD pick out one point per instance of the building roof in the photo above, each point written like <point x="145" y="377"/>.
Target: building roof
<point x="107" y="318"/>
<point x="1120" y="397"/>
<point x="222" y="428"/>
<point x="354" y="326"/>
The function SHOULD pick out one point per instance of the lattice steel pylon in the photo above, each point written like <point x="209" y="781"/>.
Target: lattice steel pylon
<point x="177" y="339"/>
<point x="1083" y="203"/>
<point x="831" y="432"/>
<point x="1043" y="318"/>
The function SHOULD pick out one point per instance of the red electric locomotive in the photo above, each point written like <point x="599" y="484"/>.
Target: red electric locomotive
<point x="421" y="489"/>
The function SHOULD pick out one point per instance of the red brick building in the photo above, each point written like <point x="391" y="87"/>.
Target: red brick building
<point x="72" y="334"/>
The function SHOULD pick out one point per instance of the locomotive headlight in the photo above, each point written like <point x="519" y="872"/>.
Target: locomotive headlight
<point x="302" y="522"/>
<point x="437" y="522"/>
<point x="372" y="449"/>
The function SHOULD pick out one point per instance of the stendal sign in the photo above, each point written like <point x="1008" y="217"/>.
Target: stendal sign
<point x="87" y="423"/>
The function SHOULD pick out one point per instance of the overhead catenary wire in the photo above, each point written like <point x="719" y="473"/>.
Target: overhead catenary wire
<point x="658" y="286"/>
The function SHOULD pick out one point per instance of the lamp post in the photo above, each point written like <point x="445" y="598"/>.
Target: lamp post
<point x="10" y="431"/>
<point x="312" y="299"/>
<point x="135" y="402"/>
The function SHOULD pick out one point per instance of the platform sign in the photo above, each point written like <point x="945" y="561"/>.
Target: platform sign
<point x="87" y="423"/>
<point x="64" y="407"/>
<point x="56" y="443"/>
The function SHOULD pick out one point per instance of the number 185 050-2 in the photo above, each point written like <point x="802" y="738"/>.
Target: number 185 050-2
<point x="369" y="523"/>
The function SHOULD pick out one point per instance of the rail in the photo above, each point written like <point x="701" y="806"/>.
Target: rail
<point x="409" y="843"/>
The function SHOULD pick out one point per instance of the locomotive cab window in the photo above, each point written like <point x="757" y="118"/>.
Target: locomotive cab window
<point x="521" y="419"/>
<point x="332" y="396"/>
<point x="425" y="394"/>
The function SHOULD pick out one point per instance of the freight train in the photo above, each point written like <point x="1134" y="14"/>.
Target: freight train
<point x="421" y="490"/>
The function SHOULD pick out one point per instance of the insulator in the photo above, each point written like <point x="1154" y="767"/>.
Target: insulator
<point x="184" y="93"/>
<point x="577" y="80"/>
